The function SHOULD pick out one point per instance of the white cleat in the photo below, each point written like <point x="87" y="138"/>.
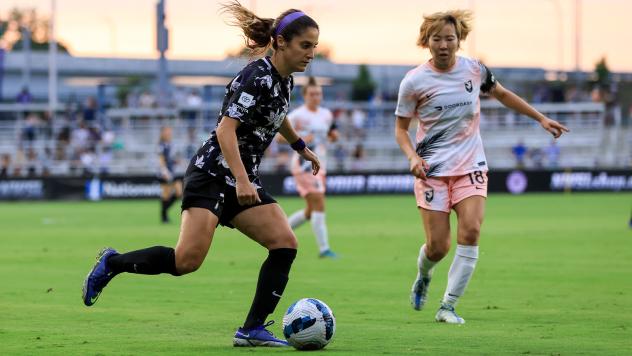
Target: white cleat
<point x="446" y="314"/>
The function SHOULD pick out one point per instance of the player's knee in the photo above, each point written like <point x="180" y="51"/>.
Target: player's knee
<point x="437" y="251"/>
<point x="189" y="262"/>
<point x="283" y="241"/>
<point x="470" y="233"/>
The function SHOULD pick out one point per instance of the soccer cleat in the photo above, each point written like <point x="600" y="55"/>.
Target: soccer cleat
<point x="446" y="314"/>
<point x="98" y="278"/>
<point x="328" y="254"/>
<point x="257" y="336"/>
<point x="419" y="292"/>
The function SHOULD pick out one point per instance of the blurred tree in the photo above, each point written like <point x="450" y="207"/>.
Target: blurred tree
<point x="363" y="86"/>
<point x="128" y="85"/>
<point x="11" y="30"/>
<point x="602" y="72"/>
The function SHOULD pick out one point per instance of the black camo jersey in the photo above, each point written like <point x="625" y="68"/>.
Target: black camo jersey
<point x="259" y="98"/>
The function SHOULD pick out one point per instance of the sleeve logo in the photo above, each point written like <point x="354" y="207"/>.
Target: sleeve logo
<point x="246" y="100"/>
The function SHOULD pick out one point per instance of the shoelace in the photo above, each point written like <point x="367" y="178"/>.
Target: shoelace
<point x="264" y="326"/>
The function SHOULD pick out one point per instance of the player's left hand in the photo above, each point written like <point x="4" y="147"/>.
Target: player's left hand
<point x="555" y="128"/>
<point x="309" y="155"/>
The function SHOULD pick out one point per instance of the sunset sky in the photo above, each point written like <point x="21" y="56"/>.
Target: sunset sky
<point x="514" y="33"/>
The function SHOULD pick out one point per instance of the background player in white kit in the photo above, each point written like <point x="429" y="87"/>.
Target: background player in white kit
<point x="315" y="124"/>
<point x="448" y="160"/>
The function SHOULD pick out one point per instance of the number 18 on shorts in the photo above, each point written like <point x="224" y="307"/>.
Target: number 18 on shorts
<point x="442" y="193"/>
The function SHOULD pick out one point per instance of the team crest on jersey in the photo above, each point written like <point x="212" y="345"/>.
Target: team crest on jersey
<point x="429" y="195"/>
<point x="468" y="86"/>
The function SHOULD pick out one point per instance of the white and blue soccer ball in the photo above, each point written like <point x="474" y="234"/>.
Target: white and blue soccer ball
<point x="309" y="324"/>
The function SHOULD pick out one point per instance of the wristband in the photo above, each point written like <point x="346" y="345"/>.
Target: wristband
<point x="299" y="145"/>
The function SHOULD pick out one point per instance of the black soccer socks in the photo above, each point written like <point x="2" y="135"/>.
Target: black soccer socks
<point x="152" y="260"/>
<point x="273" y="278"/>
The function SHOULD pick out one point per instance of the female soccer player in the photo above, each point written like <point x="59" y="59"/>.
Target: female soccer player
<point x="448" y="159"/>
<point x="170" y="187"/>
<point x="221" y="184"/>
<point x="315" y="124"/>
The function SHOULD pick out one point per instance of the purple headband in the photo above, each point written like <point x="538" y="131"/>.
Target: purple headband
<point x="287" y="20"/>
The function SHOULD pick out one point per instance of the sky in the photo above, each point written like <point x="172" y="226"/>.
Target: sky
<point x="507" y="33"/>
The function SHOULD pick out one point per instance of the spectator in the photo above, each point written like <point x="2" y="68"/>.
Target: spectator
<point x="18" y="162"/>
<point x="358" y="119"/>
<point x="5" y="165"/>
<point x="192" y="143"/>
<point x="46" y="126"/>
<point x="90" y="110"/>
<point x="519" y="151"/>
<point x="88" y="160"/>
<point x="147" y="100"/>
<point x="80" y="137"/>
<point x="46" y="162"/>
<point x="24" y="96"/>
<point x="358" y="158"/>
<point x="29" y="131"/>
<point x="339" y="157"/>
<point x="193" y="105"/>
<point x="553" y="154"/>
<point x="32" y="163"/>
<point x="63" y="142"/>
<point x="537" y="157"/>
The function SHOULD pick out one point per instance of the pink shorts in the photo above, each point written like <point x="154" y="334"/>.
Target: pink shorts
<point x="307" y="183"/>
<point x="443" y="193"/>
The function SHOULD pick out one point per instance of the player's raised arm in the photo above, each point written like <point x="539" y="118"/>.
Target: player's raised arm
<point x="514" y="102"/>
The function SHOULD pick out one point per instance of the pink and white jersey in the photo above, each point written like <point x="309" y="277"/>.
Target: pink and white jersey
<point x="447" y="105"/>
<point x="316" y="123"/>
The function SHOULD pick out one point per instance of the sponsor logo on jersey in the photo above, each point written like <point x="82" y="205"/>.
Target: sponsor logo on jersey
<point x="468" y="86"/>
<point x="452" y="106"/>
<point x="236" y="111"/>
<point x="246" y="100"/>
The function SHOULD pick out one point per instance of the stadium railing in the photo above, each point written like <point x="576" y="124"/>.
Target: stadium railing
<point x="366" y="130"/>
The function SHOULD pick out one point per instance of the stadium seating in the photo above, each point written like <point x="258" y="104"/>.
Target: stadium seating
<point x="124" y="140"/>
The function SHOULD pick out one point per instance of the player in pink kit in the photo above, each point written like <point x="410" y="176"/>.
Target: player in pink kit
<point x="448" y="158"/>
<point x="315" y="124"/>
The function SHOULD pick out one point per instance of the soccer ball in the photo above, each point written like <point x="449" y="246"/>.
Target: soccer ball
<point x="309" y="324"/>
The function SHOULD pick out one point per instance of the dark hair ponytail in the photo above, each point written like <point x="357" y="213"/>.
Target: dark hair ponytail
<point x="259" y="32"/>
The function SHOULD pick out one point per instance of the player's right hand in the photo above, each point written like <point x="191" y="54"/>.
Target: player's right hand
<point x="419" y="167"/>
<point x="246" y="193"/>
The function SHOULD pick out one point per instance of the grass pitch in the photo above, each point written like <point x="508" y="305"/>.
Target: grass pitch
<point x="554" y="278"/>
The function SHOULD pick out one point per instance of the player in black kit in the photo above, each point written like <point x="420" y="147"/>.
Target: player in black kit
<point x="221" y="184"/>
<point x="170" y="185"/>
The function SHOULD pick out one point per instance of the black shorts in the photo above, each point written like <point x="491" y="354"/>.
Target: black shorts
<point x="201" y="190"/>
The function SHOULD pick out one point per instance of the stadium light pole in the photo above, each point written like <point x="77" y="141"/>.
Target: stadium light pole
<point x="26" y="50"/>
<point x="578" y="13"/>
<point x="52" y="62"/>
<point x="560" y="36"/>
<point x="162" y="38"/>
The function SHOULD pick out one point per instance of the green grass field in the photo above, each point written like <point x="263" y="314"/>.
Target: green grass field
<point x="554" y="278"/>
